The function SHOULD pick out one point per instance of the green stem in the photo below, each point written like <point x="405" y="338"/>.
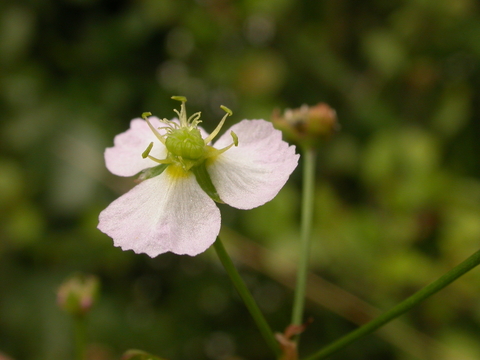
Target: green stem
<point x="80" y="337"/>
<point x="401" y="308"/>
<point x="247" y="297"/>
<point x="308" y="196"/>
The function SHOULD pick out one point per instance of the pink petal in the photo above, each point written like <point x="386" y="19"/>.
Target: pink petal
<point x="252" y="173"/>
<point x="163" y="214"/>
<point x="125" y="157"/>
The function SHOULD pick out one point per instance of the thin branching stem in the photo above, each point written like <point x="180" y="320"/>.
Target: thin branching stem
<point x="401" y="308"/>
<point x="80" y="336"/>
<point x="247" y="297"/>
<point x="308" y="195"/>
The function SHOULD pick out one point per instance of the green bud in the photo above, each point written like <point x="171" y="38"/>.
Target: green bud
<point x="308" y="126"/>
<point x="77" y="294"/>
<point x="186" y="143"/>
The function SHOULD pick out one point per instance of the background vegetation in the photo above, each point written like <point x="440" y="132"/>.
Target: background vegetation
<point x="398" y="191"/>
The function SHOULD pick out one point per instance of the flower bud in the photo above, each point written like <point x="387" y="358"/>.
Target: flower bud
<point x="307" y="126"/>
<point x="77" y="294"/>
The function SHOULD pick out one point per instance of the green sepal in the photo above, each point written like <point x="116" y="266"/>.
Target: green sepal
<point x="203" y="179"/>
<point x="152" y="172"/>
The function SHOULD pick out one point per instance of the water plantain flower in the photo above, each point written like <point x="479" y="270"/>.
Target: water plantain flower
<point x="182" y="176"/>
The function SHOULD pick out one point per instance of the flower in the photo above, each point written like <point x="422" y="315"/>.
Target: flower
<point x="182" y="175"/>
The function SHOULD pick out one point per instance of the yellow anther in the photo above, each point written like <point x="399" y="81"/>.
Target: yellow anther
<point x="145" y="115"/>
<point x="179" y="98"/>
<point x="227" y="110"/>
<point x="234" y="137"/>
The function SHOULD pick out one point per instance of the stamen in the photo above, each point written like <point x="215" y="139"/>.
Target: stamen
<point x="222" y="150"/>
<point x="164" y="161"/>
<point x="169" y="125"/>
<point x="166" y="128"/>
<point x="227" y="110"/>
<point x="179" y="98"/>
<point x="178" y="113"/>
<point x="147" y="150"/>
<point x="145" y="116"/>
<point x="215" y="152"/>
<point x="183" y="112"/>
<point x="194" y="119"/>
<point x="234" y="137"/>
<point x="219" y="126"/>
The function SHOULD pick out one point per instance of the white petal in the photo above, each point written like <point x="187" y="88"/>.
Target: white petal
<point x="125" y="157"/>
<point x="252" y="173"/>
<point x="163" y="214"/>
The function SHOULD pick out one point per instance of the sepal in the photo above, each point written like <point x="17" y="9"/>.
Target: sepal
<point x="152" y="172"/>
<point x="205" y="182"/>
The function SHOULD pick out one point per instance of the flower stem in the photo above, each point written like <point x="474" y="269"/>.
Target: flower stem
<point x="247" y="297"/>
<point x="308" y="190"/>
<point x="80" y="336"/>
<point x="401" y="308"/>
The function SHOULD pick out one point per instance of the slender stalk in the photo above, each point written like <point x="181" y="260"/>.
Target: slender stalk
<point x="308" y="196"/>
<point x="80" y="337"/>
<point x="247" y="297"/>
<point x="401" y="308"/>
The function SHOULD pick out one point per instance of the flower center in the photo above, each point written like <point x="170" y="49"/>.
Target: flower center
<point x="185" y="143"/>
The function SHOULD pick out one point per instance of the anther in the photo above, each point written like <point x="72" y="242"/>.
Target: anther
<point x="179" y="98"/>
<point x="234" y="137"/>
<point x="145" y="115"/>
<point x="227" y="110"/>
<point x="147" y="150"/>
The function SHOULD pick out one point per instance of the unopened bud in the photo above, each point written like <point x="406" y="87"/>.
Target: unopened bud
<point x="307" y="126"/>
<point x="77" y="294"/>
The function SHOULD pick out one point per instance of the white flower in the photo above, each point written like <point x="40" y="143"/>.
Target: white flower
<point x="172" y="208"/>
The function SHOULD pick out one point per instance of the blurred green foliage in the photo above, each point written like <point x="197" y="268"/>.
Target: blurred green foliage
<point x="398" y="191"/>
